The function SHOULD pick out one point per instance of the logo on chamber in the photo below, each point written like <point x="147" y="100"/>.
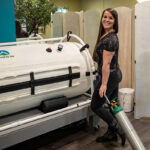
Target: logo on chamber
<point x="4" y="53"/>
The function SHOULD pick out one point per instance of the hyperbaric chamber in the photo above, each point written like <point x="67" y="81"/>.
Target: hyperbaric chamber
<point x="31" y="73"/>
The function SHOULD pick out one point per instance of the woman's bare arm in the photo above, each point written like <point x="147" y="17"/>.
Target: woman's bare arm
<point x="107" y="57"/>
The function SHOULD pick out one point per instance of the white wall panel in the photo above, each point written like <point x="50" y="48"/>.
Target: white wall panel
<point x="71" y="22"/>
<point x="91" y="27"/>
<point x="56" y="25"/>
<point x="81" y="24"/>
<point x="125" y="51"/>
<point x="142" y="57"/>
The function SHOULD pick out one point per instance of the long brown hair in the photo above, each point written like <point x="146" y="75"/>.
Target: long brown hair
<point x="101" y="28"/>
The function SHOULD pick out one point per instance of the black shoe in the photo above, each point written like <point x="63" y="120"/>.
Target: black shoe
<point x="107" y="137"/>
<point x="121" y="133"/>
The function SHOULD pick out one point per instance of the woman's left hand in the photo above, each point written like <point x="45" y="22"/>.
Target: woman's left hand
<point x="102" y="90"/>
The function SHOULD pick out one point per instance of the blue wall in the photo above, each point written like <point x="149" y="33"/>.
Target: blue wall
<point x="7" y="21"/>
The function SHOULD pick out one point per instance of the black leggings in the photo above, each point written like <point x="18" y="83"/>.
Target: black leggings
<point x="97" y="104"/>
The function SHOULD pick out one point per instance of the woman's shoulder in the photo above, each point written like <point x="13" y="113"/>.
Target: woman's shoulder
<point x="111" y="37"/>
<point x="111" y="42"/>
<point x="114" y="35"/>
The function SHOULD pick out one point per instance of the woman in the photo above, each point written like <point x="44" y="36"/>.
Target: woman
<point x="106" y="55"/>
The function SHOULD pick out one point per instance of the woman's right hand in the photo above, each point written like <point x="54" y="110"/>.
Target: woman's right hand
<point x="102" y="90"/>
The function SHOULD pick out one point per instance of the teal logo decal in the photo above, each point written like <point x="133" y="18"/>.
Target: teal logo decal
<point x="4" y="53"/>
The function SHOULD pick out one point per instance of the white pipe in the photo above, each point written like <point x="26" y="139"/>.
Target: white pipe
<point x="91" y="73"/>
<point x="91" y="68"/>
<point x="63" y="38"/>
<point x="31" y="41"/>
<point x="21" y="122"/>
<point x="89" y="59"/>
<point x="90" y="63"/>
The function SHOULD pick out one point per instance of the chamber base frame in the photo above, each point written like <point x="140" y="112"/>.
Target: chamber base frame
<point x="36" y="128"/>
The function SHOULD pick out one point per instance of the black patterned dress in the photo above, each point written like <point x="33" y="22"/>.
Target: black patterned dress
<point x="109" y="43"/>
